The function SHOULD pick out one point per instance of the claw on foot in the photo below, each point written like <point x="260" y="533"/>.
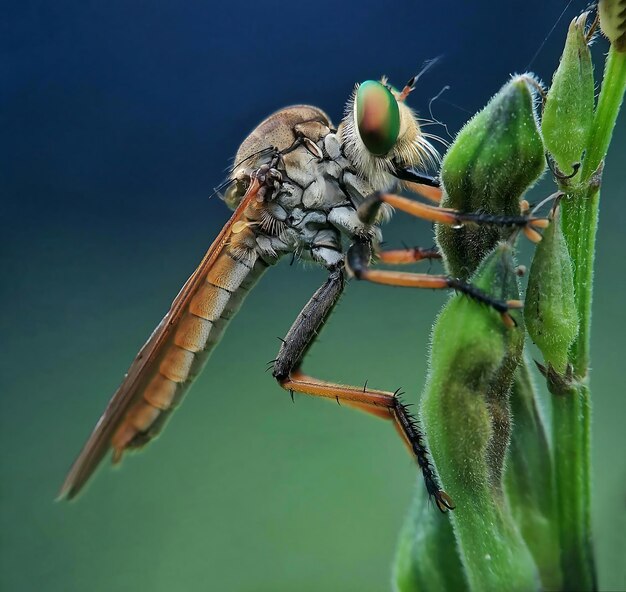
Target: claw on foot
<point x="444" y="501"/>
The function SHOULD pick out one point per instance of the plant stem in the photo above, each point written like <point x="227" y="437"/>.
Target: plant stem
<point x="582" y="208"/>
<point x="609" y="102"/>
<point x="572" y="500"/>
<point x="572" y="408"/>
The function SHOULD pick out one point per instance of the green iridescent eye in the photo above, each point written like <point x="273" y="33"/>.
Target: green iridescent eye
<point x="377" y="117"/>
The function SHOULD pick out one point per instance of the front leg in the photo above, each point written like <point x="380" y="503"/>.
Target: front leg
<point x="420" y="183"/>
<point x="368" y="211"/>
<point x="382" y="404"/>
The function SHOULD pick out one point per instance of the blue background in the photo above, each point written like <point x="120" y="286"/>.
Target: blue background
<point x="117" y="120"/>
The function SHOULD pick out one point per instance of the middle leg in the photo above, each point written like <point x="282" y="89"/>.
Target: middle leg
<point x="407" y="255"/>
<point x="358" y="261"/>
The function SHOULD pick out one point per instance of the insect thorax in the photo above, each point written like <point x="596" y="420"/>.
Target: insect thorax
<point x="312" y="211"/>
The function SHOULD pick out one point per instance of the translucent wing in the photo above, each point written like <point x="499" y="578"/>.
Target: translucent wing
<point x="144" y="366"/>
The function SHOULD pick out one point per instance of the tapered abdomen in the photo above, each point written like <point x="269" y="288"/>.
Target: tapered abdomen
<point x="199" y="329"/>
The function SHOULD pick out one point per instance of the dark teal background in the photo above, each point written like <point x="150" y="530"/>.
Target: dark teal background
<point x="117" y="120"/>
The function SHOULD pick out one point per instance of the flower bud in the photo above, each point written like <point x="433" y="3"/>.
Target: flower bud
<point x="466" y="414"/>
<point x="473" y="359"/>
<point x="613" y="22"/>
<point x="550" y="309"/>
<point x="568" y="113"/>
<point x="495" y="157"/>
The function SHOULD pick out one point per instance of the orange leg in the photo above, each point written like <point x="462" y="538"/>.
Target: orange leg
<point x="358" y="262"/>
<point x="369" y="208"/>
<point x="379" y="403"/>
<point x="420" y="183"/>
<point x="407" y="256"/>
<point x="431" y="193"/>
<point x="382" y="404"/>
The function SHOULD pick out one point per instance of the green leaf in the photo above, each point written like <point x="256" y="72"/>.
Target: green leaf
<point x="427" y="559"/>
<point x="529" y="479"/>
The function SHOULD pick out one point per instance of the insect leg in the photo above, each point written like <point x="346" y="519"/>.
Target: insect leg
<point x="411" y="174"/>
<point x="424" y="185"/>
<point x="358" y="261"/>
<point x="407" y="255"/>
<point x="382" y="404"/>
<point x="368" y="210"/>
<point x="431" y="193"/>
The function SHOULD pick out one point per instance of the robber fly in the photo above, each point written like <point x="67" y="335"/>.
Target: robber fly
<point x="299" y="186"/>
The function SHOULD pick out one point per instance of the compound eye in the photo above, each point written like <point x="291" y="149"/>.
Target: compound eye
<point x="377" y="117"/>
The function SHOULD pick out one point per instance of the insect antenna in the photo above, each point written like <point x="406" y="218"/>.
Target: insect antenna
<point x="410" y="85"/>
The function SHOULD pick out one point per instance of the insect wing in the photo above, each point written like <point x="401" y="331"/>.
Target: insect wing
<point x="126" y="395"/>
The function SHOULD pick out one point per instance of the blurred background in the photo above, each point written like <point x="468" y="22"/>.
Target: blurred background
<point x="117" y="121"/>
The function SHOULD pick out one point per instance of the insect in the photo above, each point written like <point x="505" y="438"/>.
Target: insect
<point x="298" y="186"/>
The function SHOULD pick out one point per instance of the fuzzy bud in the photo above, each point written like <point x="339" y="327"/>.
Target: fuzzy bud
<point x="613" y="22"/>
<point x="550" y="309"/>
<point x="568" y="114"/>
<point x="495" y="157"/>
<point x="466" y="414"/>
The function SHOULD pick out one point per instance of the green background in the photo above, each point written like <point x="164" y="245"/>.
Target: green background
<point x="245" y="491"/>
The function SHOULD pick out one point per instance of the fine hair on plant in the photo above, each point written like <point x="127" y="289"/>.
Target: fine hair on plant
<point x="521" y="488"/>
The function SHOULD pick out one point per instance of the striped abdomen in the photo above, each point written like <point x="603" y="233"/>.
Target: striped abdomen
<point x="198" y="330"/>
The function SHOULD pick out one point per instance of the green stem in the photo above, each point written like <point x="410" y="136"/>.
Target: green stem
<point x="572" y="409"/>
<point x="609" y="102"/>
<point x="572" y="502"/>
<point x="582" y="208"/>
